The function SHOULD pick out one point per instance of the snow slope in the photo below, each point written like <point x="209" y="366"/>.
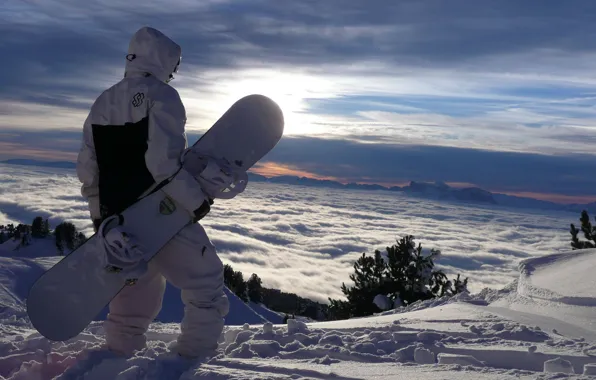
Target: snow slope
<point x="31" y="261"/>
<point x="539" y="327"/>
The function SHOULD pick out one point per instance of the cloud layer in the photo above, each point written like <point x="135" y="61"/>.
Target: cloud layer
<point x="305" y="240"/>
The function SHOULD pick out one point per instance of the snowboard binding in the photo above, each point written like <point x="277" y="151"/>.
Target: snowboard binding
<point x="122" y="253"/>
<point x="217" y="177"/>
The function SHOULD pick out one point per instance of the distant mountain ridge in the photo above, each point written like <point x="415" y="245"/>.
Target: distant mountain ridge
<point x="437" y="190"/>
<point x="45" y="164"/>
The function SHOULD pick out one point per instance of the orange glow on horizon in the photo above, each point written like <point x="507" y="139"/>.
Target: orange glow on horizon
<point x="272" y="169"/>
<point x="461" y="185"/>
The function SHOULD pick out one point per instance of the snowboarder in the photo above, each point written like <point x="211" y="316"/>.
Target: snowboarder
<point x="133" y="139"/>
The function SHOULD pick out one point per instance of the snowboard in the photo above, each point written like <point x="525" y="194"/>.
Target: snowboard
<point x="67" y="297"/>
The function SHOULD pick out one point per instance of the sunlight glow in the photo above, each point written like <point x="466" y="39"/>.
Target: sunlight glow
<point x="290" y="90"/>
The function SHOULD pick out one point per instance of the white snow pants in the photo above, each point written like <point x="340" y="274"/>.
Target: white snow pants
<point x="189" y="262"/>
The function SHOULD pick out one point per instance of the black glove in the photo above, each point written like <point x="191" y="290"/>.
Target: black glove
<point x="202" y="210"/>
<point x="96" y="223"/>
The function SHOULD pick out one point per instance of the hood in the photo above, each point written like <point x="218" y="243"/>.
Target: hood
<point x="151" y="51"/>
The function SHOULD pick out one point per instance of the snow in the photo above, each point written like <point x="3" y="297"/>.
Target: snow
<point x="269" y="315"/>
<point x="383" y="302"/>
<point x="590" y="370"/>
<point x="541" y="326"/>
<point x="559" y="287"/>
<point x="558" y="365"/>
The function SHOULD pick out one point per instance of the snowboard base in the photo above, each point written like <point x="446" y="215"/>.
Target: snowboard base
<point x="66" y="298"/>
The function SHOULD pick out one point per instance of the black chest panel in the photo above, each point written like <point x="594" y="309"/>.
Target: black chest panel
<point x="123" y="174"/>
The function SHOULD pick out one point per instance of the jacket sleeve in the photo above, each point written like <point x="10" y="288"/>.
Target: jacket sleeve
<point x="87" y="170"/>
<point x="166" y="143"/>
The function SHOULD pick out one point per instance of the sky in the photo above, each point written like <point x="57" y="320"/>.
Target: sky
<point x="497" y="94"/>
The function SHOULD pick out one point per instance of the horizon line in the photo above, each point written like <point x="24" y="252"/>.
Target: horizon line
<point x="261" y="169"/>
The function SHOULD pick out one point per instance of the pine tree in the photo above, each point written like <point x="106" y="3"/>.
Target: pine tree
<point x="406" y="276"/>
<point x="255" y="288"/>
<point x="59" y="239"/>
<point x="234" y="280"/>
<point x="37" y="227"/>
<point x="368" y="278"/>
<point x="459" y="286"/>
<point x="240" y="286"/>
<point x="80" y="239"/>
<point x="10" y="230"/>
<point x="229" y="276"/>
<point x="2" y="237"/>
<point x="45" y="230"/>
<point x="588" y="230"/>
<point x="338" y="309"/>
<point x="67" y="237"/>
<point x="17" y="232"/>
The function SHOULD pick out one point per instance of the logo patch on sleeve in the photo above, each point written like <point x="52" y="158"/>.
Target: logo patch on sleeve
<point x="137" y="99"/>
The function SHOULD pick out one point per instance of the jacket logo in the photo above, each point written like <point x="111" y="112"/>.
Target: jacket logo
<point x="137" y="100"/>
<point x="167" y="206"/>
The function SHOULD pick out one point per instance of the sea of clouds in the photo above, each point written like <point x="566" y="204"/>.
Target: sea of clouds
<point x="305" y="240"/>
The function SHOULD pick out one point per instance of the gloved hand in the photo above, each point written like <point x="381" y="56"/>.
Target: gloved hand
<point x="202" y="211"/>
<point x="217" y="178"/>
<point x="96" y="224"/>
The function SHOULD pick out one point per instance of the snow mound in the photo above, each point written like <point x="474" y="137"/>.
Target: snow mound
<point x="560" y="287"/>
<point x="558" y="365"/>
<point x="564" y="277"/>
<point x="590" y="370"/>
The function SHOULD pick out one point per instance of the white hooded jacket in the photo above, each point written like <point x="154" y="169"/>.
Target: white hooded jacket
<point x="134" y="135"/>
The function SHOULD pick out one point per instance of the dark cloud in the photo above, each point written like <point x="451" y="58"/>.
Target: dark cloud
<point x="382" y="163"/>
<point x="385" y="163"/>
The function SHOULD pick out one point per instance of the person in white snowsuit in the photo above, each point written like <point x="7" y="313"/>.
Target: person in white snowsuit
<point x="133" y="139"/>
